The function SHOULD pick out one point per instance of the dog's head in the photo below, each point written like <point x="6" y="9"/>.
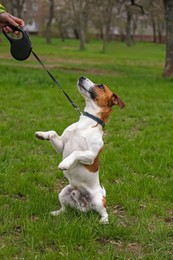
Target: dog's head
<point x="99" y="94"/>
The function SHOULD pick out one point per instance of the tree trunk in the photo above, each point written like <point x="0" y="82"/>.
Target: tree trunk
<point x="135" y="22"/>
<point x="159" y="31"/>
<point x="49" y="22"/>
<point x="81" y="30"/>
<point x="154" y="28"/>
<point x="62" y="33"/>
<point x="129" y="41"/>
<point x="82" y="39"/>
<point x="168" y="69"/>
<point x="105" y="38"/>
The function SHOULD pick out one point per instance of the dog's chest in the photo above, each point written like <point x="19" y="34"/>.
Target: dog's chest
<point x="75" y="141"/>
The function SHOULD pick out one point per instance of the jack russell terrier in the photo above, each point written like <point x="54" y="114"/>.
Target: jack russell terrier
<point x="81" y="144"/>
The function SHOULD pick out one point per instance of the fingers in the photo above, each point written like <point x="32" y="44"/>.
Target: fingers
<point x="6" y="18"/>
<point x="7" y="29"/>
<point x="15" y="21"/>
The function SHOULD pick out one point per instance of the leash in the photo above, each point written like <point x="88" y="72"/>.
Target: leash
<point x="57" y="83"/>
<point x="21" y="48"/>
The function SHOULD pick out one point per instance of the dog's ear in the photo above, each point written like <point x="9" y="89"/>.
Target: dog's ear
<point x="117" y="101"/>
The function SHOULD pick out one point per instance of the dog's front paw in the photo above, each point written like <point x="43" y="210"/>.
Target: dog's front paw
<point x="45" y="135"/>
<point x="66" y="164"/>
<point x="42" y="135"/>
<point x="63" y="166"/>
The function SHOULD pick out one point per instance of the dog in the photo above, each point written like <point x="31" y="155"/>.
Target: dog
<point x="81" y="144"/>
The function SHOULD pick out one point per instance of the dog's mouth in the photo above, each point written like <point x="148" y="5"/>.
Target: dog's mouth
<point x="83" y="89"/>
<point x="91" y="92"/>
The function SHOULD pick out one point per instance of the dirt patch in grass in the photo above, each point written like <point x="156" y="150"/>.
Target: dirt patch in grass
<point x="122" y="218"/>
<point x="134" y="249"/>
<point x="19" y="196"/>
<point x="169" y="218"/>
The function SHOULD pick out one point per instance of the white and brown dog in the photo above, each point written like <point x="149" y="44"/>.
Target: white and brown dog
<point x="81" y="144"/>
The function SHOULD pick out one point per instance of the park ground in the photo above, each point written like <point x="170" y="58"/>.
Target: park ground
<point x="136" y="165"/>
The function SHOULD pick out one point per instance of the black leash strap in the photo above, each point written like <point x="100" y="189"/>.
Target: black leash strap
<point x="57" y="83"/>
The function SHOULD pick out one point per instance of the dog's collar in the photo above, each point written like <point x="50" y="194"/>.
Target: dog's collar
<point x="98" y="120"/>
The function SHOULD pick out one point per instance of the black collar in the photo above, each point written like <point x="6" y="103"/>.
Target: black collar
<point x="98" y="120"/>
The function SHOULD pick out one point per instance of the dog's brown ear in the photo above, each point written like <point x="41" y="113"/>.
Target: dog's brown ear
<point x="117" y="101"/>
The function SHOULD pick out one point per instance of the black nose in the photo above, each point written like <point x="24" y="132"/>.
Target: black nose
<point x="82" y="78"/>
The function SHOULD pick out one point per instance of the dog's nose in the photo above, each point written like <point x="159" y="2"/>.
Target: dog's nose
<point x="82" y="78"/>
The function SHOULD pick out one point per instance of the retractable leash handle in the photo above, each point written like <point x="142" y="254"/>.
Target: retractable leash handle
<point x="20" y="47"/>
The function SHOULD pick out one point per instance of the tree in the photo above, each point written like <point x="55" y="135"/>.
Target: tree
<point x="105" y="18"/>
<point x="133" y="10"/>
<point x="129" y="39"/>
<point x="17" y="5"/>
<point x="80" y="14"/>
<point x="49" y="21"/>
<point x="61" y="16"/>
<point x="168" y="69"/>
<point x="156" y="18"/>
<point x="108" y="13"/>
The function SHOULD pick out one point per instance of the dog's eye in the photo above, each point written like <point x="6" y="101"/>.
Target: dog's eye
<point x="101" y="86"/>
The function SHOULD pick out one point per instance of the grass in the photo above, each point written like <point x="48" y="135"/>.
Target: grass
<point x="136" y="163"/>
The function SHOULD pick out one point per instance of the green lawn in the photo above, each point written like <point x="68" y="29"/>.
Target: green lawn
<point x="136" y="163"/>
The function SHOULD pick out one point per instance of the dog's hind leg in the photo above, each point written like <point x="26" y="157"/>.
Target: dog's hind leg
<point x="99" y="205"/>
<point x="65" y="200"/>
<point x="62" y="199"/>
<point x="54" y="139"/>
<point x="57" y="212"/>
<point x="71" y="197"/>
<point x="103" y="213"/>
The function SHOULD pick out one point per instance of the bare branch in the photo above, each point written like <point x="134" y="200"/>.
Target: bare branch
<point x="139" y="6"/>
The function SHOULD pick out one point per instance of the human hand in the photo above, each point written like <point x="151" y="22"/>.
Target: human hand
<point x="6" y="18"/>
